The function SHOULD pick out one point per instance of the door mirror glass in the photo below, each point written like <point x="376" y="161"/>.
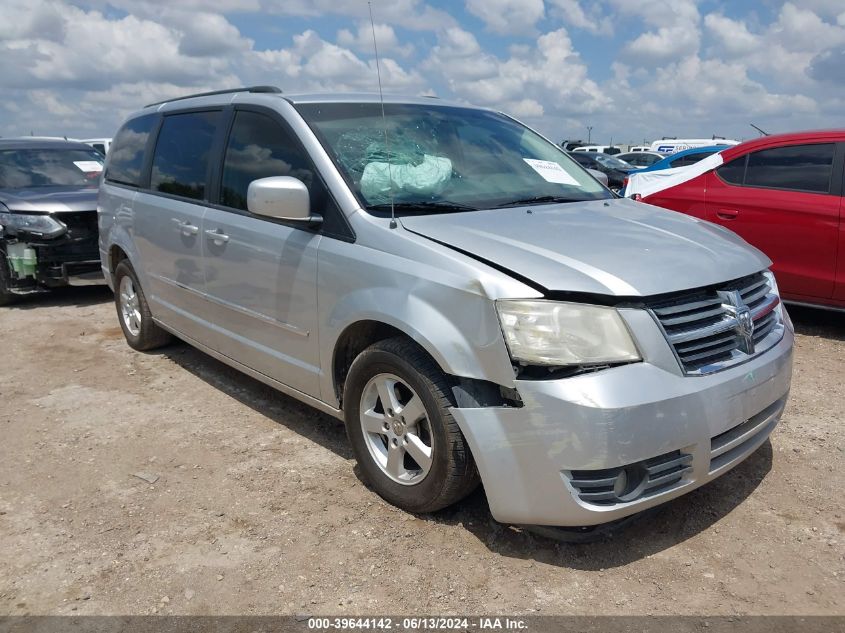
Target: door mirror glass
<point x="279" y="197"/>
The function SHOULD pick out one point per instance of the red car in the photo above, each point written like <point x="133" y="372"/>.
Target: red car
<point x="783" y="194"/>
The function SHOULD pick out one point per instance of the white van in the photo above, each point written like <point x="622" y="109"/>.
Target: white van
<point x="672" y="145"/>
<point x="598" y="149"/>
<point x="99" y="144"/>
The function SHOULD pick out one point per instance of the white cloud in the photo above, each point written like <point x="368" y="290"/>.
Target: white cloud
<point x="783" y="50"/>
<point x="508" y="16"/>
<point x="732" y="36"/>
<point x="313" y="64"/>
<point x="94" y="52"/>
<point x="589" y="19"/>
<point x="79" y="66"/>
<point x="459" y="57"/>
<point x="362" y="39"/>
<point x="208" y="35"/>
<point x="829" y="66"/>
<point x="411" y="14"/>
<point x="675" y="29"/>
<point x="547" y="78"/>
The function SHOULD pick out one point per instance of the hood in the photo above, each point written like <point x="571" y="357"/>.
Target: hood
<point x="50" y="199"/>
<point x="610" y="247"/>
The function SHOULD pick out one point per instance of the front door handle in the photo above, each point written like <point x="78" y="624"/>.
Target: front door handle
<point x="727" y="214"/>
<point x="217" y="236"/>
<point x="186" y="228"/>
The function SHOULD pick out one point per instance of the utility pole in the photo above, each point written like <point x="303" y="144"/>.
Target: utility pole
<point x="589" y="133"/>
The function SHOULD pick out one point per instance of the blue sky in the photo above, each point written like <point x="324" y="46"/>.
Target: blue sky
<point x="634" y="70"/>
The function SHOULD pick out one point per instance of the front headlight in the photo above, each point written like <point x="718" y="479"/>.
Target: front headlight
<point x="557" y="333"/>
<point x="36" y="224"/>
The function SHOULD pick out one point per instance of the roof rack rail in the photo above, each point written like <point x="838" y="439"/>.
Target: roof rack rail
<point x="266" y="89"/>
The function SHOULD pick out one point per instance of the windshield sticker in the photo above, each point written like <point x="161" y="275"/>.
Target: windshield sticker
<point x="551" y="171"/>
<point x="88" y="165"/>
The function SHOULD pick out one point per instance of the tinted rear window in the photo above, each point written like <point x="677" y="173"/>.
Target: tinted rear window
<point x="797" y="167"/>
<point x="127" y="151"/>
<point x="183" y="149"/>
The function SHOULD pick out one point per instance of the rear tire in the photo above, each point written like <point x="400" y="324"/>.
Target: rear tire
<point x="133" y="312"/>
<point x="411" y="450"/>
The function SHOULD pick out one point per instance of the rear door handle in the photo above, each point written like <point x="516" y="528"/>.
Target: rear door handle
<point x="727" y="214"/>
<point x="186" y="227"/>
<point x="217" y="236"/>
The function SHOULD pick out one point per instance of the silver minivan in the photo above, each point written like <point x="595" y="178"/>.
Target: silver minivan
<point x="471" y="302"/>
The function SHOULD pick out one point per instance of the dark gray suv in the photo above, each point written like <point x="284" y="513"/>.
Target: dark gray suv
<point x="48" y="215"/>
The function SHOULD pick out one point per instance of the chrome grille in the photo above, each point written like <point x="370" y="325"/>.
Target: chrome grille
<point x="704" y="329"/>
<point x="624" y="484"/>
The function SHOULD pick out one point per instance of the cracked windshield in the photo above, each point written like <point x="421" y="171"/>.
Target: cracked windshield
<point x="428" y="159"/>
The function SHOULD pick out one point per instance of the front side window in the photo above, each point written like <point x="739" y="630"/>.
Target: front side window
<point x="260" y="147"/>
<point x="432" y="158"/>
<point x="183" y="149"/>
<point x="733" y="172"/>
<point x="59" y="167"/>
<point x="795" y="167"/>
<point x="127" y="151"/>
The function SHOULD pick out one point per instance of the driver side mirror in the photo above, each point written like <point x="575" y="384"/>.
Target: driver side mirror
<point x="281" y="198"/>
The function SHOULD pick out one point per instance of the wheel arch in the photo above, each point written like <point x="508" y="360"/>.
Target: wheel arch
<point x="116" y="255"/>
<point x="358" y="336"/>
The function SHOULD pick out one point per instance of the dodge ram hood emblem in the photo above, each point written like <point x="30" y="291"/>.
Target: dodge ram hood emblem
<point x="735" y="307"/>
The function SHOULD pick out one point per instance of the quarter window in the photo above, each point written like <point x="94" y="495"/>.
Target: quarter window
<point x="797" y="167"/>
<point x="260" y="148"/>
<point x="127" y="151"/>
<point x="180" y="161"/>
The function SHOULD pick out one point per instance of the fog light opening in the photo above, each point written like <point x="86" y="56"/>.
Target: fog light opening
<point x="630" y="482"/>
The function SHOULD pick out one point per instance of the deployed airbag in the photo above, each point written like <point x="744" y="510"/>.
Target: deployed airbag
<point x="381" y="180"/>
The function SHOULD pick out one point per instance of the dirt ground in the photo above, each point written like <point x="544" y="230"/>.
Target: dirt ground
<point x="253" y="505"/>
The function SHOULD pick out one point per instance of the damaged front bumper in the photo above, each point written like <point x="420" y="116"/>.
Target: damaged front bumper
<point x="37" y="263"/>
<point x="603" y="446"/>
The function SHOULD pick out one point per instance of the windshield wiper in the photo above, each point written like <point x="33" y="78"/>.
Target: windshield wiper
<point x="423" y="205"/>
<point x="536" y="200"/>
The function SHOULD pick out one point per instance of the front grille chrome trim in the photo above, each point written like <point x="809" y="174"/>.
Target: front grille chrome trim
<point x="705" y="332"/>
<point x="727" y="323"/>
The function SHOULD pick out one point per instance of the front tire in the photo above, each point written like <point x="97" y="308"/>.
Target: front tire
<point x="133" y="312"/>
<point x="6" y="295"/>
<point x="408" y="446"/>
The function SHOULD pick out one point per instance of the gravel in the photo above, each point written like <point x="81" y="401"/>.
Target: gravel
<point x="245" y="501"/>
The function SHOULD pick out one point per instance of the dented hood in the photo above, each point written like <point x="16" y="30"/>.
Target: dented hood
<point x="49" y="199"/>
<point x="609" y="247"/>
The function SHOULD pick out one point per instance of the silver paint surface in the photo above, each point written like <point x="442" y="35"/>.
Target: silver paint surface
<point x="274" y="300"/>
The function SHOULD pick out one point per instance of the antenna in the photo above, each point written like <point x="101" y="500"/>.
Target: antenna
<point x="383" y="119"/>
<point x="763" y="132"/>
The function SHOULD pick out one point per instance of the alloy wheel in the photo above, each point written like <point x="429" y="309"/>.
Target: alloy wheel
<point x="396" y="429"/>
